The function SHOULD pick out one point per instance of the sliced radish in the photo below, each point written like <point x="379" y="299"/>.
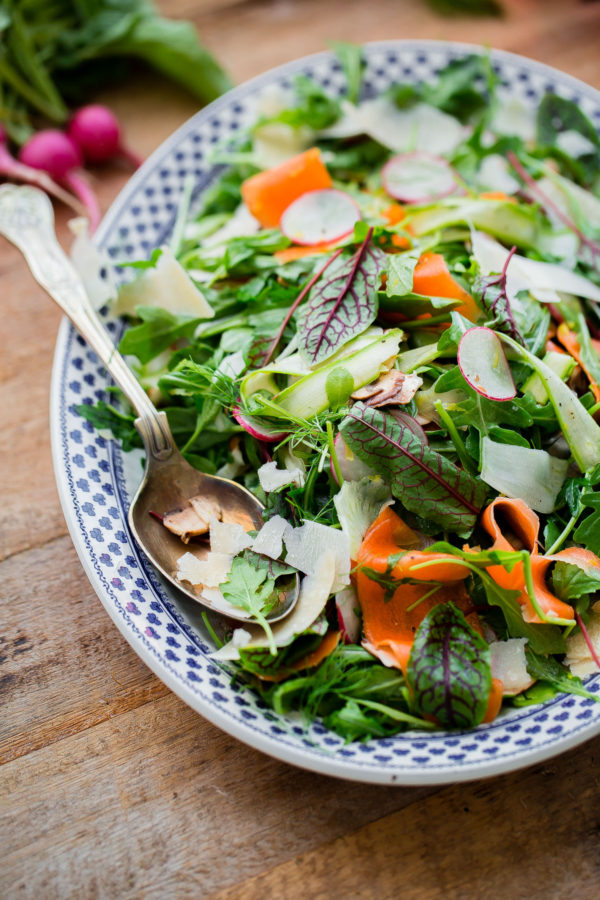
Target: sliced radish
<point x="483" y="364"/>
<point x="418" y="177"/>
<point x="318" y="216"/>
<point x="255" y="428"/>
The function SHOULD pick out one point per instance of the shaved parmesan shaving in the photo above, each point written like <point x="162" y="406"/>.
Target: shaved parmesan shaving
<point x="574" y="143"/>
<point x="421" y="127"/>
<point x="241" y="224"/>
<point x="578" y="658"/>
<point x="308" y="543"/>
<point x="494" y="175"/>
<point x="542" y="280"/>
<point x="210" y="571"/>
<point x="294" y="464"/>
<point x="509" y="664"/>
<point x="232" y="365"/>
<point x="228" y="537"/>
<point x="233" y="467"/>
<point x="94" y="267"/>
<point x="272" y="478"/>
<point x="514" y="117"/>
<point x="314" y="593"/>
<point x="530" y="475"/>
<point x="275" y="142"/>
<point x="358" y="504"/>
<point x="166" y="285"/>
<point x="269" y="540"/>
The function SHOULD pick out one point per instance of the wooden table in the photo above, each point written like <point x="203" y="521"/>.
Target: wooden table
<point x="111" y="786"/>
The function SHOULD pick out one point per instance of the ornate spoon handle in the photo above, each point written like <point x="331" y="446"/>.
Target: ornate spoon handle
<point x="27" y="220"/>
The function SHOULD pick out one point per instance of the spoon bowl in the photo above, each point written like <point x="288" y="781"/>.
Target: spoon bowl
<point x="169" y="481"/>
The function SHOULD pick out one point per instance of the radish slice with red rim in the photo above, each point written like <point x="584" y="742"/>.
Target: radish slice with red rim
<point x="255" y="428"/>
<point x="483" y="364"/>
<point x="418" y="177"/>
<point x="320" y="216"/>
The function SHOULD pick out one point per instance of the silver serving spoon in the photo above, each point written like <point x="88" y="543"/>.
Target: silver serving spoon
<point x="27" y="220"/>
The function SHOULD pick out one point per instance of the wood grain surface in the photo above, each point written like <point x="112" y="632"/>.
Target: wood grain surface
<point x="110" y="787"/>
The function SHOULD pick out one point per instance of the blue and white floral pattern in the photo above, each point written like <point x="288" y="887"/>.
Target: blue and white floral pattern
<point x="96" y="479"/>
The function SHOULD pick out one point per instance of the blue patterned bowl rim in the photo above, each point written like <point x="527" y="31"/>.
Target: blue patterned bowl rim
<point x="94" y="483"/>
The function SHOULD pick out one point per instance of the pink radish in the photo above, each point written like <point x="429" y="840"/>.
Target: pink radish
<point x="320" y="216"/>
<point x="418" y="177"/>
<point x="56" y="153"/>
<point x="18" y="171"/>
<point x="255" y="428"/>
<point x="483" y="364"/>
<point x="96" y="131"/>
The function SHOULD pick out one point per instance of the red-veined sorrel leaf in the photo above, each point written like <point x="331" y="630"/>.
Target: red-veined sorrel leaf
<point x="449" y="669"/>
<point x="423" y="480"/>
<point x="494" y="299"/>
<point x="342" y="304"/>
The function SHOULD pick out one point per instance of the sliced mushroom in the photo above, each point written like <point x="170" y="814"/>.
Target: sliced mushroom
<point x="192" y="520"/>
<point x="391" y="388"/>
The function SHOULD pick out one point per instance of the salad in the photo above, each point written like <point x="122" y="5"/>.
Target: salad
<point x="384" y="321"/>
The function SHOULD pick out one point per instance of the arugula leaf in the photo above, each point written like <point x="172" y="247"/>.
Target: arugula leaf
<point x="246" y="255"/>
<point x="353" y="63"/>
<point x="400" y="271"/>
<point x="251" y="589"/>
<point x="413" y="305"/>
<point x="274" y="568"/>
<point x="120" y="424"/>
<point x="557" y="115"/>
<point x="357" y="697"/>
<point x="588" y="532"/>
<point x="550" y="671"/>
<point x="142" y="264"/>
<point x="449" y="669"/>
<point x="570" y="582"/>
<point x="423" y="480"/>
<point x="450" y="338"/>
<point x="539" y="692"/>
<point x="315" y="108"/>
<point x="542" y="638"/>
<point x="455" y="91"/>
<point x="342" y="304"/>
<point x="159" y="329"/>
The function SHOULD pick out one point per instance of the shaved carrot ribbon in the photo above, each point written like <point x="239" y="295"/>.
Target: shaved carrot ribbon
<point x="432" y="278"/>
<point x="389" y="549"/>
<point x="539" y="604"/>
<point x="569" y="341"/>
